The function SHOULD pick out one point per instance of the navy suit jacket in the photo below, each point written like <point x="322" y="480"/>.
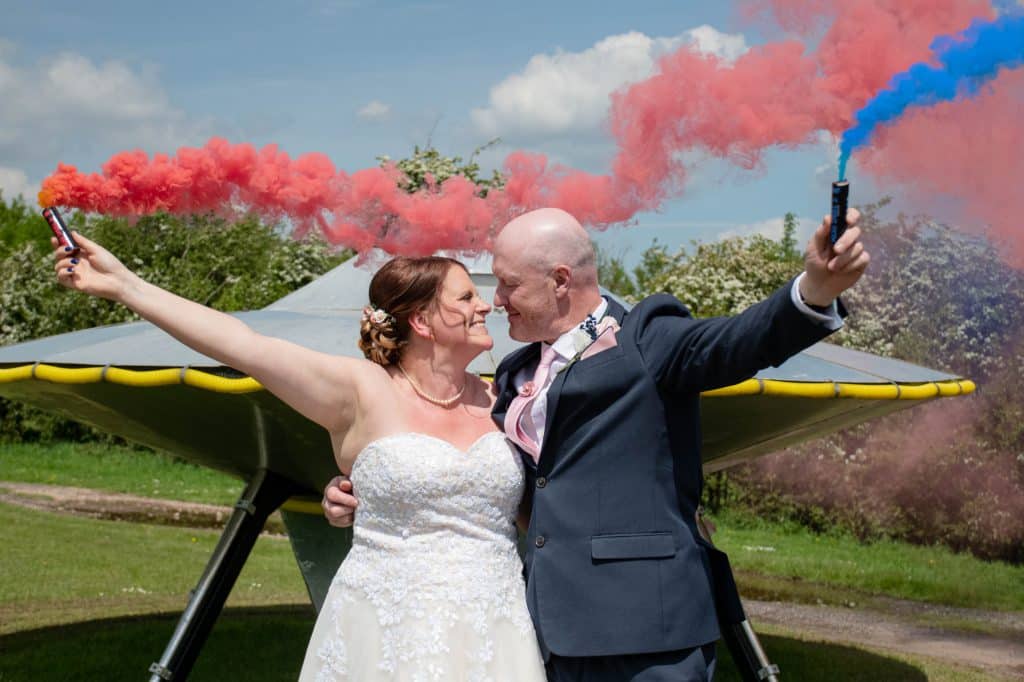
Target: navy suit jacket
<point x="614" y="563"/>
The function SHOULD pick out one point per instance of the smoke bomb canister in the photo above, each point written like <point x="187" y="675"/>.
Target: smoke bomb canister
<point x="59" y="228"/>
<point x="840" y="196"/>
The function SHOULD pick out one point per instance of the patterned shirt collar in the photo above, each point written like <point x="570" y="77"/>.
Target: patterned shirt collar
<point x="565" y="345"/>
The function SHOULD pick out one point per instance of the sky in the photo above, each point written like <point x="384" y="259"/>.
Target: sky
<point x="356" y="79"/>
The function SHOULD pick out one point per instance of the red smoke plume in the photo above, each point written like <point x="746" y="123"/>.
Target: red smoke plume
<point x="778" y="94"/>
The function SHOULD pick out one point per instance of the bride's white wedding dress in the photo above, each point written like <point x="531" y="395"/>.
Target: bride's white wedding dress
<point x="432" y="588"/>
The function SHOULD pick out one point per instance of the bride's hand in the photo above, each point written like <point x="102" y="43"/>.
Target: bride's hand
<point x="339" y="502"/>
<point x="92" y="269"/>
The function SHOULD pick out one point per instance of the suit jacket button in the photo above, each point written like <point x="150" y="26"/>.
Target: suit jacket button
<point x="541" y="481"/>
<point x="539" y="541"/>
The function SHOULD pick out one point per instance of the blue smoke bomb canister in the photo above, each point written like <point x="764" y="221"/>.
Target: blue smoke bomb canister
<point x="840" y="195"/>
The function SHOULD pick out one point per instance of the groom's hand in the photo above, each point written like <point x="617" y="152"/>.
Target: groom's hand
<point x="832" y="269"/>
<point x="339" y="503"/>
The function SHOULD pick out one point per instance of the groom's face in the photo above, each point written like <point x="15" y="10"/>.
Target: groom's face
<point x="528" y="296"/>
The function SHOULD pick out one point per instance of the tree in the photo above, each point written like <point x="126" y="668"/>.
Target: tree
<point x="723" y="277"/>
<point x="612" y="274"/>
<point x="788" y="243"/>
<point x="20" y="224"/>
<point x="428" y="168"/>
<point x="934" y="296"/>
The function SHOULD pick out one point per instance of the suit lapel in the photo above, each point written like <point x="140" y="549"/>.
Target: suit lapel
<point x="506" y="386"/>
<point x="555" y="391"/>
<point x="615" y="310"/>
<point x="506" y="379"/>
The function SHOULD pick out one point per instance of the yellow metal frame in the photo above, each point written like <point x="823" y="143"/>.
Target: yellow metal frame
<point x="218" y="384"/>
<point x="131" y="377"/>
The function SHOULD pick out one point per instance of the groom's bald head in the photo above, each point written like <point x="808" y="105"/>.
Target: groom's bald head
<point x="547" y="274"/>
<point x="547" y="237"/>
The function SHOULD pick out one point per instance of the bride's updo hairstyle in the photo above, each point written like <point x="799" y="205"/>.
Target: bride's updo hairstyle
<point x="399" y="289"/>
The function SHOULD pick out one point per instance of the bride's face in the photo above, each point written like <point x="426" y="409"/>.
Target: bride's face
<point x="457" y="319"/>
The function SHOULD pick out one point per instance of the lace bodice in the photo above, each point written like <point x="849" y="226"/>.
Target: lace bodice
<point x="414" y="488"/>
<point x="434" y="551"/>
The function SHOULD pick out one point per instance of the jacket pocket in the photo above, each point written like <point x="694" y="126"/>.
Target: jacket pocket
<point x="657" y="545"/>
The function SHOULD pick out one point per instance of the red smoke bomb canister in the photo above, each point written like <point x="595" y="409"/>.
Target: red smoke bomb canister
<point x="59" y="228"/>
<point x="840" y="195"/>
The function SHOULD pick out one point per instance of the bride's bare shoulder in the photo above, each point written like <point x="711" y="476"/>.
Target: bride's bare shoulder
<point x="370" y="375"/>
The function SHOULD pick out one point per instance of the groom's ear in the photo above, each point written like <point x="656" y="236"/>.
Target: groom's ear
<point x="419" y="325"/>
<point x="562" y="276"/>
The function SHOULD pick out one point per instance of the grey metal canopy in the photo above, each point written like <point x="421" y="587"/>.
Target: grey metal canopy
<point x="242" y="431"/>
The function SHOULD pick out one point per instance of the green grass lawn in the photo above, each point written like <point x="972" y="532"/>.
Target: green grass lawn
<point x="773" y="561"/>
<point x="117" y="469"/>
<point x="85" y="599"/>
<point x="788" y="562"/>
<point x="58" y="569"/>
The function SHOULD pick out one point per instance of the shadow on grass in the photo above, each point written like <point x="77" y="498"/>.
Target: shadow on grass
<point x="819" y="661"/>
<point x="255" y="644"/>
<point x="268" y="643"/>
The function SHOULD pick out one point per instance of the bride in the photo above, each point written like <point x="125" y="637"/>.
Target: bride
<point x="432" y="588"/>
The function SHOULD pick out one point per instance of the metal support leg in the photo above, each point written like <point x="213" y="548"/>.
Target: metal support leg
<point x="740" y="638"/>
<point x="747" y="653"/>
<point x="264" y="494"/>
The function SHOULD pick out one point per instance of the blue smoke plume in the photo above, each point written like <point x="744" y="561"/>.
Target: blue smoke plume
<point x="966" y="61"/>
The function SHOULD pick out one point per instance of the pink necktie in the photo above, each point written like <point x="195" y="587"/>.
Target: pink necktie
<point x="520" y="405"/>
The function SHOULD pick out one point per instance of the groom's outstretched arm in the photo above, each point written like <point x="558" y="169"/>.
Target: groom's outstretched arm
<point x="687" y="354"/>
<point x="339" y="502"/>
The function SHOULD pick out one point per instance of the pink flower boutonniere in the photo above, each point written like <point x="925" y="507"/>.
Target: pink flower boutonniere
<point x="527" y="389"/>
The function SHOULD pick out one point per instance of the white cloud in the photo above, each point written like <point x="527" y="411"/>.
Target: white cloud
<point x="374" y="111"/>
<point x="14" y="182"/>
<point x="773" y="229"/>
<point x="829" y="144"/>
<point x="66" y="105"/>
<point x="568" y="92"/>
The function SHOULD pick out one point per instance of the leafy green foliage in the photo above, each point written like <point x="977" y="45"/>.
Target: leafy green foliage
<point x="240" y="266"/>
<point x="935" y="296"/>
<point x="613" y="276"/>
<point x="428" y="168"/>
<point x="788" y="246"/>
<point x="718" y="278"/>
<point x="20" y="224"/>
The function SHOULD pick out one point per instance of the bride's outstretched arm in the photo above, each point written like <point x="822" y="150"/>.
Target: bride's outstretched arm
<point x="321" y="387"/>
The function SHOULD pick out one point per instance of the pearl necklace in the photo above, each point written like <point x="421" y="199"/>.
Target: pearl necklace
<point x="443" y="402"/>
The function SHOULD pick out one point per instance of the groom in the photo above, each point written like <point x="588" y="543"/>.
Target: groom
<point x="604" y="404"/>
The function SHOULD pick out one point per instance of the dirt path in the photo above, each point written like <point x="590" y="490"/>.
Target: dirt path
<point x="896" y="627"/>
<point x="100" y="504"/>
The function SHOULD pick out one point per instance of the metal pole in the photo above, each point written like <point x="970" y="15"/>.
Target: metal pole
<point x="264" y="494"/>
<point x="739" y="635"/>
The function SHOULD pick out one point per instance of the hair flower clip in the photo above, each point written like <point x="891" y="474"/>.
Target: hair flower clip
<point x="376" y="315"/>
